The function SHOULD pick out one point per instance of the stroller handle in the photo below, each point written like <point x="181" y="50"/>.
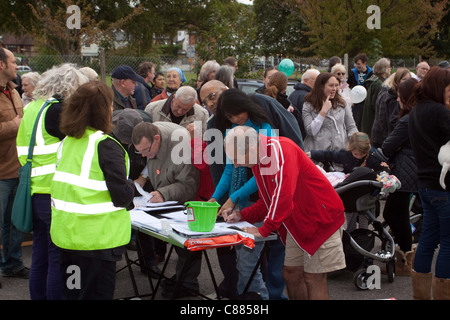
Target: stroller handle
<point x="358" y="184"/>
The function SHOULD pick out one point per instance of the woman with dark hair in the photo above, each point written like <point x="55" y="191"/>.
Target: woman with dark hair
<point x="158" y="84"/>
<point x="397" y="148"/>
<point x="235" y="108"/>
<point x="327" y="118"/>
<point x="429" y="129"/>
<point x="90" y="193"/>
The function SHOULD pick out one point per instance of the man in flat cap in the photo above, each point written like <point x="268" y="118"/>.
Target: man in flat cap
<point x="124" y="81"/>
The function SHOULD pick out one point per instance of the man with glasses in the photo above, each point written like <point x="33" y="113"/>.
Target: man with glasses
<point x="173" y="179"/>
<point x="421" y="69"/>
<point x="124" y="82"/>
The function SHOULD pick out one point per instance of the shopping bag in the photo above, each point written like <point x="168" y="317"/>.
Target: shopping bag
<point x="22" y="213"/>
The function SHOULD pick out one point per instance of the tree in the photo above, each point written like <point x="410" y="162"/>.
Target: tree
<point x="46" y="22"/>
<point x="167" y="18"/>
<point x="338" y="27"/>
<point x="231" y="32"/>
<point x="280" y="28"/>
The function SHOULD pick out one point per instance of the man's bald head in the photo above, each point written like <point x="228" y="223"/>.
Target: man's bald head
<point x="210" y="92"/>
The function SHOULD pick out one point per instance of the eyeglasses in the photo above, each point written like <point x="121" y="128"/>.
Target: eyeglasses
<point x="145" y="151"/>
<point x="340" y="73"/>
<point x="210" y="97"/>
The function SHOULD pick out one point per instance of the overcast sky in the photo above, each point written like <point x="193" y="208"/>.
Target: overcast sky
<point x="245" y="1"/>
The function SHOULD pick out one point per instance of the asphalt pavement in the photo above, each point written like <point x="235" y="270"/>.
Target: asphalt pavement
<point x="340" y="284"/>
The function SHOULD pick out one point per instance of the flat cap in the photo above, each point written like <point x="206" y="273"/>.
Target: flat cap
<point x="124" y="72"/>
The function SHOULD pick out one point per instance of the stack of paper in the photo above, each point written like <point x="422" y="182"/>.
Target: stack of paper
<point x="144" y="220"/>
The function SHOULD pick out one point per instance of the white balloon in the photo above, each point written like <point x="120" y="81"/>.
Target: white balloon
<point x="358" y="94"/>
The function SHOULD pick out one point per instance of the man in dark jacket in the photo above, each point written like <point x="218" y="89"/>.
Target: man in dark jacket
<point x="124" y="82"/>
<point x="358" y="76"/>
<point x="298" y="96"/>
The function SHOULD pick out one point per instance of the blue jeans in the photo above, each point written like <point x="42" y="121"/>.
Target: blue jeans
<point x="11" y="239"/>
<point x="435" y="231"/>
<point x="274" y="274"/>
<point x="46" y="282"/>
<point x="246" y="260"/>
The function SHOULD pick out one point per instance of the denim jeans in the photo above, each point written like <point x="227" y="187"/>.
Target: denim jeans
<point x="11" y="239"/>
<point x="246" y="260"/>
<point x="435" y="231"/>
<point x="274" y="272"/>
<point x="46" y="282"/>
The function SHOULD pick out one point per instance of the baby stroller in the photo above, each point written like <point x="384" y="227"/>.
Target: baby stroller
<point x="359" y="193"/>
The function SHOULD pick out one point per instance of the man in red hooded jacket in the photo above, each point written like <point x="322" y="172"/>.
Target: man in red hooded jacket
<point x="296" y="200"/>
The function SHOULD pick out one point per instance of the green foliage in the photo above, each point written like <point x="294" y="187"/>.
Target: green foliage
<point x="280" y="28"/>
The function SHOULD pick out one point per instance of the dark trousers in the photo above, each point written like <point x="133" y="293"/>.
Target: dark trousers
<point x="396" y="214"/>
<point x="96" y="277"/>
<point x="227" y="263"/>
<point x="45" y="276"/>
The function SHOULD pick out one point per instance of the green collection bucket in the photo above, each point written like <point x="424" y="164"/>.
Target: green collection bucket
<point x="201" y="216"/>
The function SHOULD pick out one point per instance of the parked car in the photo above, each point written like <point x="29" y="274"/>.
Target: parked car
<point x="24" y="69"/>
<point x="250" y="85"/>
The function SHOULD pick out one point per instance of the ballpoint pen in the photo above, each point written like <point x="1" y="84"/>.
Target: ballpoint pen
<point x="234" y="207"/>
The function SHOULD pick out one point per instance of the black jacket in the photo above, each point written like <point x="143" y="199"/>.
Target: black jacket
<point x="386" y="116"/>
<point x="297" y="98"/>
<point x="434" y="121"/>
<point x="348" y="161"/>
<point x="281" y="118"/>
<point x="397" y="148"/>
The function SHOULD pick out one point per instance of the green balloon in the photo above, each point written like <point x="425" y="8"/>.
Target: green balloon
<point x="287" y="67"/>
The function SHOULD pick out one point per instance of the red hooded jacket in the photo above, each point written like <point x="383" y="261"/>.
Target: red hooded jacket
<point x="294" y="196"/>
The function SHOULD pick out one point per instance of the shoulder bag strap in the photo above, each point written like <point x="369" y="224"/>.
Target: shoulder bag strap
<point x="33" y="135"/>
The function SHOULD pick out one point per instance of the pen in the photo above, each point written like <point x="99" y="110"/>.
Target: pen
<point x="234" y="207"/>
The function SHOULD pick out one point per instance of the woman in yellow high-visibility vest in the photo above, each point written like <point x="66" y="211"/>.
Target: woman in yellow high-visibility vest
<point x="90" y="193"/>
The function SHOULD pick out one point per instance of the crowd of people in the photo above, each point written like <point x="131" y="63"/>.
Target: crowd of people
<point x="95" y="142"/>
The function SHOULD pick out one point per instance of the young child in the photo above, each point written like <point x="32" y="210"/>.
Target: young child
<point x="357" y="154"/>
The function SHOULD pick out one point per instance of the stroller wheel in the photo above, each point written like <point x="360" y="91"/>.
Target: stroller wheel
<point x="360" y="279"/>
<point x="390" y="270"/>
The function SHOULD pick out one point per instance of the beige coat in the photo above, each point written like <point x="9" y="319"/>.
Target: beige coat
<point x="176" y="182"/>
<point x="160" y="111"/>
<point x="9" y="109"/>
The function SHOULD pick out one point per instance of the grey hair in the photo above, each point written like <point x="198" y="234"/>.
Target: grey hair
<point x="61" y="81"/>
<point x="33" y="77"/>
<point x="241" y="138"/>
<point x="225" y="74"/>
<point x="90" y="73"/>
<point x="186" y="95"/>
<point x="308" y="73"/>
<point x="381" y="67"/>
<point x="207" y="67"/>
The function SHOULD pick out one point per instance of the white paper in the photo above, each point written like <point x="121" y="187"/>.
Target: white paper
<point x="145" y="195"/>
<point x="145" y="220"/>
